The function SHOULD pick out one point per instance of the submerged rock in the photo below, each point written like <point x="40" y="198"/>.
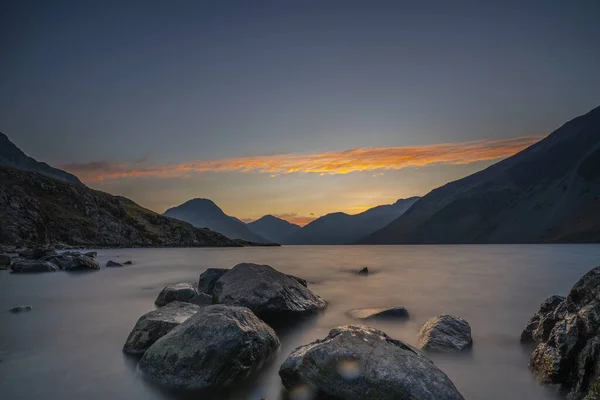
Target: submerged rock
<point x="155" y="324"/>
<point x="113" y="264"/>
<point x="364" y="271"/>
<point x="21" y="309"/>
<point x="216" y="348"/>
<point x="571" y="353"/>
<point x="92" y="254"/>
<point x="266" y="291"/>
<point x="445" y="333"/>
<point x="380" y="313"/>
<point x="128" y="262"/>
<point x="356" y="362"/>
<point x="206" y="283"/>
<point x="32" y="266"/>
<point x="539" y="326"/>
<point x="176" y="292"/>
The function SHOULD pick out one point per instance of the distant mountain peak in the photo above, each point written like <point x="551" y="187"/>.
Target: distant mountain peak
<point x="273" y="228"/>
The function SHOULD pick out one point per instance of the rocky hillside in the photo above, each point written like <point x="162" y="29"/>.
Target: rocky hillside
<point x="549" y="192"/>
<point x="12" y="156"/>
<point x="36" y="209"/>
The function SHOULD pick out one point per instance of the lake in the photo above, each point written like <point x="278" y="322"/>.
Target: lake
<point x="69" y="346"/>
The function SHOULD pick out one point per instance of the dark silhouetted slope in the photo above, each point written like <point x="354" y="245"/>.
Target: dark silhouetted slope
<point x="549" y="192"/>
<point x="11" y="156"/>
<point x="341" y="228"/>
<point x="273" y="228"/>
<point x="204" y="213"/>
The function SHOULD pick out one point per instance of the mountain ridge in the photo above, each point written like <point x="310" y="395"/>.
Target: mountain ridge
<point x="273" y="228"/>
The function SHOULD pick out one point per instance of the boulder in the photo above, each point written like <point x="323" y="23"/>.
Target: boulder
<point x="72" y="261"/>
<point x="202" y="299"/>
<point x="267" y="292"/>
<point x="445" y="333"/>
<point x="539" y="326"/>
<point x="113" y="264"/>
<point x="176" y="292"/>
<point x="356" y="362"/>
<point x="206" y="283"/>
<point x="91" y="254"/>
<point x="218" y="347"/>
<point x="36" y="254"/>
<point x="31" y="266"/>
<point x="571" y="353"/>
<point x="364" y="271"/>
<point x="156" y="324"/>
<point x="5" y="260"/>
<point x="20" y="309"/>
<point x="380" y="313"/>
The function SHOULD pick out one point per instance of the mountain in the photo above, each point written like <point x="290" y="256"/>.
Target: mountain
<point x="341" y="228"/>
<point x="12" y="156"/>
<point x="37" y="210"/>
<point x="203" y="213"/>
<point x="273" y="228"/>
<point x="549" y="192"/>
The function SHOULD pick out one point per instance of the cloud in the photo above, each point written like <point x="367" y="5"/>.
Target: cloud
<point x="330" y="163"/>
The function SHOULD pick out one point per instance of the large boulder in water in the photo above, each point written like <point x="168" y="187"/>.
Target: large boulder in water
<point x="539" y="326"/>
<point x="72" y="261"/>
<point x="216" y="348"/>
<point x="571" y="354"/>
<point x="206" y="283"/>
<point x="266" y="291"/>
<point x="356" y="363"/>
<point x="156" y="324"/>
<point x="176" y="292"/>
<point x="32" y="266"/>
<point x="445" y="333"/>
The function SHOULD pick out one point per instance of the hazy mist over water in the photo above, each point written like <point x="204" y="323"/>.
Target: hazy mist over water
<point x="69" y="346"/>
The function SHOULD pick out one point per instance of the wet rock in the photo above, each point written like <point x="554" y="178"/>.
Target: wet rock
<point x="72" y="261"/>
<point x="155" y="324"/>
<point x="176" y="292"/>
<point x="91" y="254"/>
<point x="21" y="309"/>
<point x="364" y="271"/>
<point x="267" y="292"/>
<point x="206" y="283"/>
<point x="356" y="362"/>
<point x="202" y="299"/>
<point x="128" y="262"/>
<point x="113" y="264"/>
<point x="570" y="355"/>
<point x="539" y="326"/>
<point x="216" y="348"/>
<point x="380" y="313"/>
<point x="445" y="333"/>
<point x="32" y="266"/>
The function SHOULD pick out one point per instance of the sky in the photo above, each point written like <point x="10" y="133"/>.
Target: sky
<point x="291" y="108"/>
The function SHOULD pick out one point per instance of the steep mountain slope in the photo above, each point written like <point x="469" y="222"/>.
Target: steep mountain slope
<point x="203" y="213"/>
<point x="12" y="156"/>
<point x="549" y="192"/>
<point x="341" y="228"/>
<point x="273" y="228"/>
<point x="36" y="210"/>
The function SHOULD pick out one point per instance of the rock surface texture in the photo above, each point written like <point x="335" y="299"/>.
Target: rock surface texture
<point x="380" y="313"/>
<point x="445" y="333"/>
<point x="176" y="292"/>
<point x="539" y="326"/>
<point x="32" y="266"/>
<point x="357" y="363"/>
<point x="216" y="348"/>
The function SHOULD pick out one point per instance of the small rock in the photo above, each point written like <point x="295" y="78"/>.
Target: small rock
<point x="218" y="347"/>
<point x="32" y="266"/>
<point x="364" y="271"/>
<point x="176" y="292"/>
<point x="113" y="264"/>
<point x="81" y="263"/>
<point x="91" y="254"/>
<point x="445" y="333"/>
<point x="380" y="313"/>
<point x="155" y="324"/>
<point x="356" y="363"/>
<point x="21" y="309"/>
<point x="128" y="262"/>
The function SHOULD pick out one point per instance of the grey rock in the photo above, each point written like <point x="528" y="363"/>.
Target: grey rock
<point x="176" y="292"/>
<point x="206" y="283"/>
<point x="113" y="264"/>
<point x="156" y="324"/>
<point x="571" y="353"/>
<point x="128" y="262"/>
<point x="364" y="271"/>
<point x="21" y="309"/>
<point x="299" y="280"/>
<point x="216" y="348"/>
<point x="356" y="362"/>
<point x="72" y="261"/>
<point x="266" y="291"/>
<point x="202" y="299"/>
<point x="92" y="254"/>
<point x="445" y="333"/>
<point x="5" y="260"/>
<point x="32" y="266"/>
<point x="539" y="326"/>
<point x="380" y="313"/>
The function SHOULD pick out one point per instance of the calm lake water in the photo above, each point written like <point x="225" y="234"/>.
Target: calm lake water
<point x="69" y="346"/>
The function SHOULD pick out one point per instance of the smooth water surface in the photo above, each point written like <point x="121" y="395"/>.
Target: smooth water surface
<point x="69" y="346"/>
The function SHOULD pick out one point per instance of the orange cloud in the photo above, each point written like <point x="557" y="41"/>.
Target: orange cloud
<point x="343" y="162"/>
